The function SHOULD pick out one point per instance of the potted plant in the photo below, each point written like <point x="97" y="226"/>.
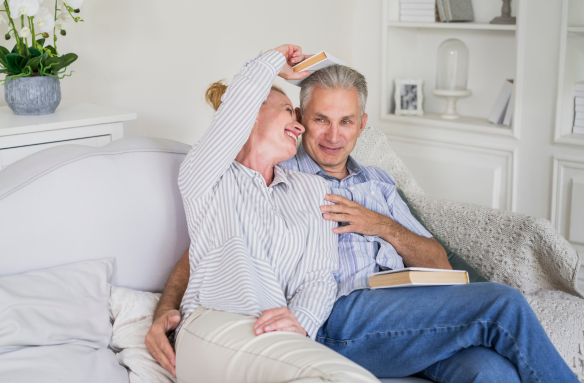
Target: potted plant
<point x="32" y="68"/>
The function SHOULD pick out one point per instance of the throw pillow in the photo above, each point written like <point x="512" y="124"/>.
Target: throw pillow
<point x="455" y="260"/>
<point x="55" y="327"/>
<point x="132" y="313"/>
<point x="61" y="305"/>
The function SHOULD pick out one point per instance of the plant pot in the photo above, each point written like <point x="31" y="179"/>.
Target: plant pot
<point x="32" y="96"/>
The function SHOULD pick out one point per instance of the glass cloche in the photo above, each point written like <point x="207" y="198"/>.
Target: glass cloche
<point x="452" y="68"/>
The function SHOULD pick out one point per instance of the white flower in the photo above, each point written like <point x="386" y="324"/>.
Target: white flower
<point x="23" y="8"/>
<point x="63" y="18"/>
<point x="25" y="32"/>
<point x="44" y="20"/>
<point x="75" y="4"/>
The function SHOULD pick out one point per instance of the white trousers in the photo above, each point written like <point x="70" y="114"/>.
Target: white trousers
<point x="215" y="347"/>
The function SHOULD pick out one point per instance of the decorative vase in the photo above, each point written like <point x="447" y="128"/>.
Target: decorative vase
<point x="452" y="75"/>
<point x="32" y="96"/>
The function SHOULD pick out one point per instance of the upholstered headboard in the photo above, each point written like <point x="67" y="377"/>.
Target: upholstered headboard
<point x="71" y="203"/>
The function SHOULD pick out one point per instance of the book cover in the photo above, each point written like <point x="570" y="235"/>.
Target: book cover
<point x="458" y="10"/>
<point x="579" y="93"/>
<point x="318" y="61"/>
<point x="579" y="100"/>
<point x="417" y="276"/>
<point x="578" y="130"/>
<point x="497" y="115"/>
<point x="510" y="108"/>
<point x="579" y="108"/>
<point x="441" y="13"/>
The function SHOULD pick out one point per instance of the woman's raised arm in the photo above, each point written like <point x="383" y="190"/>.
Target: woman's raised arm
<point x="208" y="160"/>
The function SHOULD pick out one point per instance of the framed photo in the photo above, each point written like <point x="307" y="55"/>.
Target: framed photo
<point x="409" y="97"/>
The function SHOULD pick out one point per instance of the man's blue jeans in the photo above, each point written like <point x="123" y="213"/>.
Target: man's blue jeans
<point x="480" y="332"/>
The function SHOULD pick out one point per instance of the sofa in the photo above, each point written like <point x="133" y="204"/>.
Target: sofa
<point x="74" y="203"/>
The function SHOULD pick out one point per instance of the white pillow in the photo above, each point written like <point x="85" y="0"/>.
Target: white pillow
<point x="66" y="311"/>
<point x="61" y="305"/>
<point x="132" y="313"/>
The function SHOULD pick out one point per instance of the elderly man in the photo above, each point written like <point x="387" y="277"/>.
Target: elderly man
<point x="483" y="332"/>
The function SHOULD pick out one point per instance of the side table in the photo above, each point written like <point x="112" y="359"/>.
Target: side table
<point x="80" y="124"/>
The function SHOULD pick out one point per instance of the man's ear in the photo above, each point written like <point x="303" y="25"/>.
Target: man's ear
<point x="298" y="115"/>
<point x="363" y="124"/>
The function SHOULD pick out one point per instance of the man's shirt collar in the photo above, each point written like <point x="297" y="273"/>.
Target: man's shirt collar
<point x="307" y="165"/>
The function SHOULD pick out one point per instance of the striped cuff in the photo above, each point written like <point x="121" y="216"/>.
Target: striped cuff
<point x="274" y="59"/>
<point x="307" y="323"/>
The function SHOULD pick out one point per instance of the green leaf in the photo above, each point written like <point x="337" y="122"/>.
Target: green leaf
<point x="34" y="52"/>
<point x="3" y="53"/>
<point x="33" y="64"/>
<point x="13" y="61"/>
<point x="41" y="42"/>
<point x="64" y="61"/>
<point x="3" y="70"/>
<point x="51" y="50"/>
<point x="15" y="49"/>
<point x="23" y="62"/>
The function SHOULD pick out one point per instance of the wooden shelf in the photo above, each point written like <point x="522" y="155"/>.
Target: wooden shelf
<point x="474" y="124"/>
<point x="460" y="25"/>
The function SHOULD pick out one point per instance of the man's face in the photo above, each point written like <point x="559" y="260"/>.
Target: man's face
<point x="333" y="123"/>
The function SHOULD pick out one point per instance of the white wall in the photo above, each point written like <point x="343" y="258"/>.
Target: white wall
<point x="157" y="59"/>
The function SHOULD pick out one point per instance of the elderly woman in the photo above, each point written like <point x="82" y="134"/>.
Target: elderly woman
<point x="259" y="245"/>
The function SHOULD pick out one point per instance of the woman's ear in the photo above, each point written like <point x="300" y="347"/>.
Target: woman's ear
<point x="298" y="115"/>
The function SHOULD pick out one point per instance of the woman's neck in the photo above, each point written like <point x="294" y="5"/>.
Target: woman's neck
<point x="251" y="157"/>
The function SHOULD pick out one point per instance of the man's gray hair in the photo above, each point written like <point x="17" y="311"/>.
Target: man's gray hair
<point x="334" y="77"/>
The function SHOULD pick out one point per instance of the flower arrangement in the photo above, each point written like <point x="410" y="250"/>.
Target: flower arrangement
<point x="27" y="21"/>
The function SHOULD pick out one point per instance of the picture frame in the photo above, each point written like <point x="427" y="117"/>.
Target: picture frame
<point x="409" y="97"/>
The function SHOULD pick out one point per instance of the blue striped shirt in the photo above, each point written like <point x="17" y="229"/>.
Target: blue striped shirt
<point x="375" y="189"/>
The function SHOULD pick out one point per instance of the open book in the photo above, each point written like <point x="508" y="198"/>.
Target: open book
<point x="417" y="276"/>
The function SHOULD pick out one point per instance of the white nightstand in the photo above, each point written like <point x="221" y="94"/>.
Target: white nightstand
<point x="81" y="124"/>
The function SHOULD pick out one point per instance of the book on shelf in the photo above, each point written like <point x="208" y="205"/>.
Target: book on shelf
<point x="417" y="276"/>
<point x="579" y="93"/>
<point x="579" y="108"/>
<point x="455" y="10"/>
<point x="509" y="110"/>
<point x="578" y="129"/>
<point x="418" y="12"/>
<point x="579" y="123"/>
<point x="497" y="115"/>
<point x="312" y="64"/>
<point x="579" y="116"/>
<point x="579" y="86"/>
<point x="427" y="6"/>
<point x="579" y="100"/>
<point x="424" y="19"/>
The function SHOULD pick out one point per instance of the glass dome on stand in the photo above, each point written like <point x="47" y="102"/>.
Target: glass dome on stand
<point x="452" y="75"/>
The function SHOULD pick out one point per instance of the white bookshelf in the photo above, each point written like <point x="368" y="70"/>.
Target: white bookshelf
<point x="571" y="70"/>
<point x="495" y="56"/>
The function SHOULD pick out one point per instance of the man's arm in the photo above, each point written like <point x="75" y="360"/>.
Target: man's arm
<point x="167" y="316"/>
<point x="416" y="250"/>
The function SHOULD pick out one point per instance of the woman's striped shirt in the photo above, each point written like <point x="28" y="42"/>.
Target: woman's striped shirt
<point x="254" y="247"/>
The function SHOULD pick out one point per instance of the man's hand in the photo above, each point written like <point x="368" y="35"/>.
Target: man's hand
<point x="278" y="319"/>
<point x="157" y="342"/>
<point x="293" y="55"/>
<point x="361" y="220"/>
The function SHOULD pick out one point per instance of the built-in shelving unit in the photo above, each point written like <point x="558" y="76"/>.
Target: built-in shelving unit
<point x="495" y="56"/>
<point x="571" y="70"/>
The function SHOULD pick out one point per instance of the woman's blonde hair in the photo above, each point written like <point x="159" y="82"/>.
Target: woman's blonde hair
<point x="217" y="89"/>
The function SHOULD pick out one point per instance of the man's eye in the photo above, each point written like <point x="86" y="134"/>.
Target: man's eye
<point x="289" y="110"/>
<point x="346" y="122"/>
<point x="319" y="120"/>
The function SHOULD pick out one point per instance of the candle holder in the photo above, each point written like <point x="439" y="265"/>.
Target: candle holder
<point x="505" y="17"/>
<point x="452" y="75"/>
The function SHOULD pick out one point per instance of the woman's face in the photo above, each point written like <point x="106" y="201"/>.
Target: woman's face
<point x="276" y="132"/>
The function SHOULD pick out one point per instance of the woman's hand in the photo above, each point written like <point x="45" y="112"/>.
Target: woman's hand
<point x="293" y="54"/>
<point x="278" y="319"/>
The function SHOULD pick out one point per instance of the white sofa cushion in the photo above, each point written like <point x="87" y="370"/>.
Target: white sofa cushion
<point x="61" y="305"/>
